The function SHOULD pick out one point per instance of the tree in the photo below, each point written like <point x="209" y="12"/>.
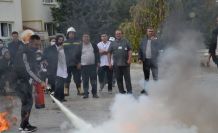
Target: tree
<point x="93" y="16"/>
<point x="196" y="14"/>
<point x="145" y="13"/>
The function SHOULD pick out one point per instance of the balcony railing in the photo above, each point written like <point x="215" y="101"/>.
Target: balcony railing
<point x="50" y="2"/>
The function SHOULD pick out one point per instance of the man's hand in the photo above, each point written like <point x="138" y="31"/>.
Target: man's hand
<point x="45" y="62"/>
<point x="140" y="61"/>
<point x="103" y="52"/>
<point x="78" y="66"/>
<point x="43" y="84"/>
<point x="98" y="65"/>
<point x="129" y="61"/>
<point x="110" y="66"/>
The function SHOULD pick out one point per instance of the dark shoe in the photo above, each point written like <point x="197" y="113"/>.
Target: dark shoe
<point x="123" y="92"/>
<point x="144" y="92"/>
<point x="29" y="129"/>
<point x="85" y="97"/>
<point x="95" y="96"/>
<point x="64" y="100"/>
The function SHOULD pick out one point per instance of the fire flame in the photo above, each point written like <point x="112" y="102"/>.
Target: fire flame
<point x="4" y="124"/>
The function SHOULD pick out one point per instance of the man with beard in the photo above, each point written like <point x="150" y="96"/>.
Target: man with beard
<point x="55" y="59"/>
<point x="25" y="69"/>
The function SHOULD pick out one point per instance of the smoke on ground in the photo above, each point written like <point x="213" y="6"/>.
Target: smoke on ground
<point x="178" y="102"/>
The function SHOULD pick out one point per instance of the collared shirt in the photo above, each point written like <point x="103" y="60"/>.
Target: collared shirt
<point x="103" y="58"/>
<point x="88" y="56"/>
<point x="62" y="65"/>
<point x="119" y="49"/>
<point x="148" y="50"/>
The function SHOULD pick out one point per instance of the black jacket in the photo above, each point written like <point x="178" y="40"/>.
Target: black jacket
<point x="72" y="49"/>
<point x="213" y="43"/>
<point x="155" y="47"/>
<point x="25" y="64"/>
<point x="5" y="67"/>
<point x="13" y="47"/>
<point x="50" y="54"/>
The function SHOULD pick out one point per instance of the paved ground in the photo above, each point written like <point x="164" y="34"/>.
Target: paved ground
<point x="52" y="120"/>
<point x="95" y="111"/>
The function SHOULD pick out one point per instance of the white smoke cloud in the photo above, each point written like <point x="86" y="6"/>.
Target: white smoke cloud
<point x="143" y="115"/>
<point x="178" y="102"/>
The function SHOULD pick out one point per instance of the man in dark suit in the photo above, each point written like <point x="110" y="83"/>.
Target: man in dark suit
<point x="148" y="55"/>
<point x="213" y="45"/>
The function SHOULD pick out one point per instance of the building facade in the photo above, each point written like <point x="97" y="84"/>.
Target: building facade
<point x="36" y="15"/>
<point x="18" y="15"/>
<point x="10" y="17"/>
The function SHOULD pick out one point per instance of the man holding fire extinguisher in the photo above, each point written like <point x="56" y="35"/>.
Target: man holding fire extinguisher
<point x="25" y="68"/>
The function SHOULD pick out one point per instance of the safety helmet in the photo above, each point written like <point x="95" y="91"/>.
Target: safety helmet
<point x="71" y="29"/>
<point x="111" y="39"/>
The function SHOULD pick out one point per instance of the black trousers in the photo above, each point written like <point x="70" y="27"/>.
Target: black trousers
<point x="106" y="71"/>
<point x="59" y="88"/>
<point x="89" y="72"/>
<point x="51" y="81"/>
<point x="215" y="59"/>
<point x="123" y="71"/>
<point x="150" y="64"/>
<point x="24" y="92"/>
<point x="76" y="73"/>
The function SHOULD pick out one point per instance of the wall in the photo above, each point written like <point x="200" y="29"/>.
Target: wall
<point x="36" y="13"/>
<point x="10" y="10"/>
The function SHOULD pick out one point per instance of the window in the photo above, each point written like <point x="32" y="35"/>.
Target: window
<point x="6" y="0"/>
<point x="50" y="28"/>
<point x="49" y="1"/>
<point x="6" y="29"/>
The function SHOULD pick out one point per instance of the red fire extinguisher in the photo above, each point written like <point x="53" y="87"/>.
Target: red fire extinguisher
<point x="39" y="96"/>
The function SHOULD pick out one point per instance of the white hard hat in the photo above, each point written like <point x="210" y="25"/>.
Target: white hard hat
<point x="111" y="39"/>
<point x="71" y="29"/>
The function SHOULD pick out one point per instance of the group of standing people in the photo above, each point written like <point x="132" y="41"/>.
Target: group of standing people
<point x="82" y="60"/>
